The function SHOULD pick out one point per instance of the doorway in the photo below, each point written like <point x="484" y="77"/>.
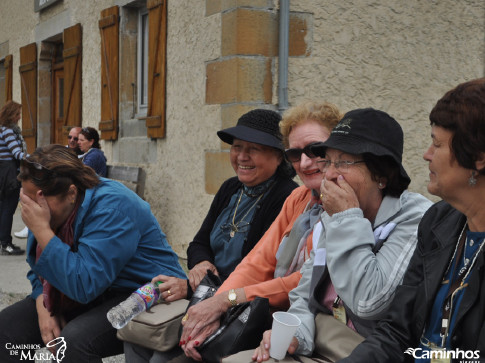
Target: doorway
<point x="57" y="132"/>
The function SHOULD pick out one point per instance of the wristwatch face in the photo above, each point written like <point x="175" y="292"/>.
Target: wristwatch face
<point x="232" y="297"/>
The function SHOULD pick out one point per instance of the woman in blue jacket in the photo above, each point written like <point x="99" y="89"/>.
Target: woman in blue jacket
<point x="93" y="242"/>
<point x="92" y="155"/>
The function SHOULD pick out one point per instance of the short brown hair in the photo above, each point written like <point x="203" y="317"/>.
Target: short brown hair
<point x="462" y="111"/>
<point x="53" y="168"/>
<point x="324" y="113"/>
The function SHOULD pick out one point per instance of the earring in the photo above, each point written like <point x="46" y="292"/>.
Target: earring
<point x="381" y="185"/>
<point x="472" y="181"/>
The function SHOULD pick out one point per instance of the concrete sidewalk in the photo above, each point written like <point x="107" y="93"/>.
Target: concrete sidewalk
<point x="14" y="284"/>
<point x="13" y="278"/>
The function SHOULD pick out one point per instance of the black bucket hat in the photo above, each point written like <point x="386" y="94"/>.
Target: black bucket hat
<point x="258" y="126"/>
<point x="366" y="131"/>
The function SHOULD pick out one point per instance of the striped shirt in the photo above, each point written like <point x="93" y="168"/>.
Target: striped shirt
<point x="10" y="145"/>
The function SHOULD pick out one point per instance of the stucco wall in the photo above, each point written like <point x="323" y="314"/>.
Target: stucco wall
<point x="176" y="185"/>
<point x="398" y="56"/>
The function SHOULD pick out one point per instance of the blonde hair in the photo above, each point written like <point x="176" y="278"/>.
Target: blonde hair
<point x="324" y="113"/>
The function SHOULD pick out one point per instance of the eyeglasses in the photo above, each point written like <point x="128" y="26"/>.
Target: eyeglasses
<point x="294" y="155"/>
<point x="342" y="166"/>
<point x="75" y="138"/>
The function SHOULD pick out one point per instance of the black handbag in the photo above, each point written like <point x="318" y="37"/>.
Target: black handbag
<point x="242" y="328"/>
<point x="206" y="289"/>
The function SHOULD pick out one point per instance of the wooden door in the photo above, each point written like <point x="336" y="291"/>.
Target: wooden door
<point x="28" y="84"/>
<point x="72" y="58"/>
<point x="58" y="136"/>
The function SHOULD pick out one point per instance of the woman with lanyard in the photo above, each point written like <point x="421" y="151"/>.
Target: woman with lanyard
<point x="12" y="150"/>
<point x="438" y="314"/>
<point x="241" y="212"/>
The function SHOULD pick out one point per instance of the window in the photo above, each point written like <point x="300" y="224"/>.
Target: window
<point x="142" y="61"/>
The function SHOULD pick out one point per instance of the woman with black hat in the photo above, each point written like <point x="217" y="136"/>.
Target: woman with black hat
<point x="245" y="205"/>
<point x="272" y="268"/>
<point x="242" y="210"/>
<point x="368" y="233"/>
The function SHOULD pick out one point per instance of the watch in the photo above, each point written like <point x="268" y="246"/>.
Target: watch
<point x="232" y="297"/>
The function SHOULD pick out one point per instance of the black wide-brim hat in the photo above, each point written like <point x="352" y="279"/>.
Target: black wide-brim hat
<point x="258" y="126"/>
<point x="366" y="131"/>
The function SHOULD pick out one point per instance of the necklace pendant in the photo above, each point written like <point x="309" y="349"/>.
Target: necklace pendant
<point x="233" y="231"/>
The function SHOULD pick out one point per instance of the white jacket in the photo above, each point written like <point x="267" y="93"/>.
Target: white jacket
<point x="364" y="279"/>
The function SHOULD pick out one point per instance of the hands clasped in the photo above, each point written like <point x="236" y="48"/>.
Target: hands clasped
<point x="201" y="321"/>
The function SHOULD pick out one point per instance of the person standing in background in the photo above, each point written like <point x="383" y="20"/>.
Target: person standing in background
<point x="12" y="150"/>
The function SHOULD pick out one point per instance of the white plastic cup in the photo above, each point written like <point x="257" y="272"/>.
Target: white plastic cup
<point x="283" y="330"/>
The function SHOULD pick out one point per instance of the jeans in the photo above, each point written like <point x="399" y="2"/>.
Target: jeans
<point x="89" y="337"/>
<point x="7" y="209"/>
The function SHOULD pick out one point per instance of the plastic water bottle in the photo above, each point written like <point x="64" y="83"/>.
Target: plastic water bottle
<point x="142" y="299"/>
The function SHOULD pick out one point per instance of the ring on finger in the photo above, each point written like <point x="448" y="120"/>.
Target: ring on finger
<point x="169" y="293"/>
<point x="184" y="319"/>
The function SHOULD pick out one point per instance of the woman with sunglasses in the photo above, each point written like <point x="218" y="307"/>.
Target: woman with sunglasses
<point x="12" y="150"/>
<point x="242" y="210"/>
<point x="92" y="155"/>
<point x="271" y="269"/>
<point x="369" y="227"/>
<point x="92" y="243"/>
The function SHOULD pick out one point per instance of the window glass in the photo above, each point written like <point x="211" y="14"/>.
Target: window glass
<point x="143" y="61"/>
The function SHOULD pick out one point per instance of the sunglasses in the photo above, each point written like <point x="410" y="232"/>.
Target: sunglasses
<point x="75" y="138"/>
<point x="36" y="170"/>
<point x="294" y="155"/>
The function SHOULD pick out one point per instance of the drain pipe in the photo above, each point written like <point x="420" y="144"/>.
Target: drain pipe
<point x="283" y="55"/>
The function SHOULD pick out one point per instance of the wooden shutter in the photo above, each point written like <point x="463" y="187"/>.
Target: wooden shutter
<point x="109" y="28"/>
<point x="72" y="56"/>
<point x="157" y="48"/>
<point x="28" y="84"/>
<point x="8" y="77"/>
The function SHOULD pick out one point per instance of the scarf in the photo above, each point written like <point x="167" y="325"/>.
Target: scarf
<point x="292" y="251"/>
<point x="55" y="301"/>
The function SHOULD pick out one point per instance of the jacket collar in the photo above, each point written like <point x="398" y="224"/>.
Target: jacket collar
<point x="388" y="208"/>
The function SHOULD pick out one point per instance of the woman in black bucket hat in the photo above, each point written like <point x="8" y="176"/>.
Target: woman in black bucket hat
<point x="242" y="210"/>
<point x="368" y="235"/>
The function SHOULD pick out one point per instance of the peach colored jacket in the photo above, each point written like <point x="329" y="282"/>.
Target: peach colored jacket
<point x="255" y="273"/>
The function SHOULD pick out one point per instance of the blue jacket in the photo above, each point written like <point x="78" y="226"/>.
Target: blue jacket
<point x="95" y="159"/>
<point x="118" y="244"/>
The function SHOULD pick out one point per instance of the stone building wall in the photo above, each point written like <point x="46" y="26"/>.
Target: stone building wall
<point x="398" y="56"/>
